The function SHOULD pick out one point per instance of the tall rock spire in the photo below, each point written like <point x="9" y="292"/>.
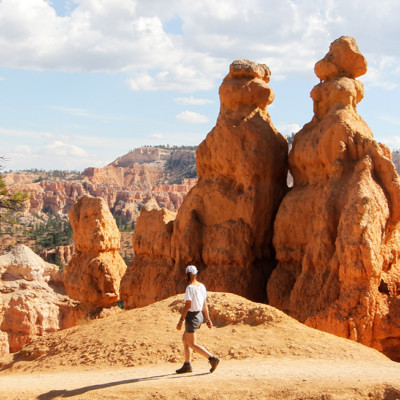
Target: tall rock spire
<point x="336" y="232"/>
<point x="225" y="223"/>
<point x="94" y="273"/>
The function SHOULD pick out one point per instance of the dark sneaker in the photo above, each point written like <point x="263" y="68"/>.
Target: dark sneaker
<point x="214" y="361"/>
<point x="185" y="368"/>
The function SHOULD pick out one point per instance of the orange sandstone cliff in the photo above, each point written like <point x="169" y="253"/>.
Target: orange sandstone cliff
<point x="336" y="233"/>
<point x="94" y="273"/>
<point x="224" y="224"/>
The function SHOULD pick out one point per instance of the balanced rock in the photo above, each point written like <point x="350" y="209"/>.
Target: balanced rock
<point x="225" y="222"/>
<point x="337" y="231"/>
<point x="32" y="299"/>
<point x="94" y="273"/>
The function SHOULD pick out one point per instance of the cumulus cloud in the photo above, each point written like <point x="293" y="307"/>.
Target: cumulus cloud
<point x="192" y="101"/>
<point x="59" y="148"/>
<point x="23" y="149"/>
<point x="288" y="129"/>
<point x="132" y="36"/>
<point x="192" y="117"/>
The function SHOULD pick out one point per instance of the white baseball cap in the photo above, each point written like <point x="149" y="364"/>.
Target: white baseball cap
<point x="191" y="269"/>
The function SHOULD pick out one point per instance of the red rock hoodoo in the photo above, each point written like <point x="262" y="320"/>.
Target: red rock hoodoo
<point x="94" y="273"/>
<point x="224" y="224"/>
<point x="151" y="275"/>
<point x="337" y="231"/>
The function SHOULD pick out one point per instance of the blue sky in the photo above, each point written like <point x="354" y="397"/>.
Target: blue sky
<point x="85" y="81"/>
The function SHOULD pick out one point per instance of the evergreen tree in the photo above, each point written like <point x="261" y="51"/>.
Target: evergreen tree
<point x="10" y="202"/>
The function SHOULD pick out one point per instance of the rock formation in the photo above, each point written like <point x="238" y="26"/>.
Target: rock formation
<point x="59" y="255"/>
<point x="32" y="299"/>
<point x="337" y="231"/>
<point x="224" y="224"/>
<point x="4" y="346"/>
<point x="94" y="273"/>
<point x="126" y="184"/>
<point x="151" y="274"/>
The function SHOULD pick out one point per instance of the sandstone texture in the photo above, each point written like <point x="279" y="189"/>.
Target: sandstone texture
<point x="336" y="233"/>
<point x="32" y="299"/>
<point x="94" y="273"/>
<point x="60" y="254"/>
<point x="151" y="275"/>
<point x="225" y="222"/>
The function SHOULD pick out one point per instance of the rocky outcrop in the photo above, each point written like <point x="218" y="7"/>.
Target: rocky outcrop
<point x="225" y="223"/>
<point x="126" y="184"/>
<point x="4" y="346"/>
<point x="337" y="231"/>
<point x="32" y="299"/>
<point x="59" y="255"/>
<point x="242" y="169"/>
<point x="94" y="273"/>
<point x="151" y="275"/>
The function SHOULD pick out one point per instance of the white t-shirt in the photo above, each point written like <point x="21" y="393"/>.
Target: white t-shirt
<point x="197" y="295"/>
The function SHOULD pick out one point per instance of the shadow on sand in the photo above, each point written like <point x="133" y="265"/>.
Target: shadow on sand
<point x="53" y="394"/>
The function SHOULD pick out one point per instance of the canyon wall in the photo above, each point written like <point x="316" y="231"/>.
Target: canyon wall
<point x="337" y="231"/>
<point x="126" y="184"/>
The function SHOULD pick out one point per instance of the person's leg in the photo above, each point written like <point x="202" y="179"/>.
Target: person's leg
<point x="192" y="344"/>
<point x="188" y="350"/>
<point x="186" y="367"/>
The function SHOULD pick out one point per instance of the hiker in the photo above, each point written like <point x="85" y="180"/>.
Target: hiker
<point x="192" y="315"/>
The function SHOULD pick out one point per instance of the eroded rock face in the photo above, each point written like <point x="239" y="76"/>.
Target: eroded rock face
<point x="241" y="166"/>
<point x="151" y="276"/>
<point x="337" y="231"/>
<point x="32" y="299"/>
<point x="4" y="346"/>
<point x="60" y="254"/>
<point x="224" y="224"/>
<point x="94" y="273"/>
<point x="126" y="184"/>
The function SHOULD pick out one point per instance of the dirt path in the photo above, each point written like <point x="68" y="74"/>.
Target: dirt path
<point x="249" y="379"/>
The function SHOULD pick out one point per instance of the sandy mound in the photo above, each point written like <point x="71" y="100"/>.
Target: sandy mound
<point x="243" y="330"/>
<point x="265" y="355"/>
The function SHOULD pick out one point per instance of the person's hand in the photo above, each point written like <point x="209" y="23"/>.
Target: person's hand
<point x="209" y="323"/>
<point x="179" y="326"/>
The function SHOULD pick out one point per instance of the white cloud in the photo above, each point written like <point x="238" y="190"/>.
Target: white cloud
<point x="129" y="35"/>
<point x="21" y="133"/>
<point x="157" y="136"/>
<point x="61" y="149"/>
<point x="84" y="113"/>
<point x="79" y="112"/>
<point x="192" y="117"/>
<point x="383" y="73"/>
<point x="392" y="142"/>
<point x="23" y="149"/>
<point x="288" y="129"/>
<point x="192" y="101"/>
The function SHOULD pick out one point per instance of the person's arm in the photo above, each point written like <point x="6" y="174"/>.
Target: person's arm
<point x="207" y="315"/>
<point x="183" y="315"/>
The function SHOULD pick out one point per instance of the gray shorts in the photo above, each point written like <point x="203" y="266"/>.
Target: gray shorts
<point x="193" y="321"/>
